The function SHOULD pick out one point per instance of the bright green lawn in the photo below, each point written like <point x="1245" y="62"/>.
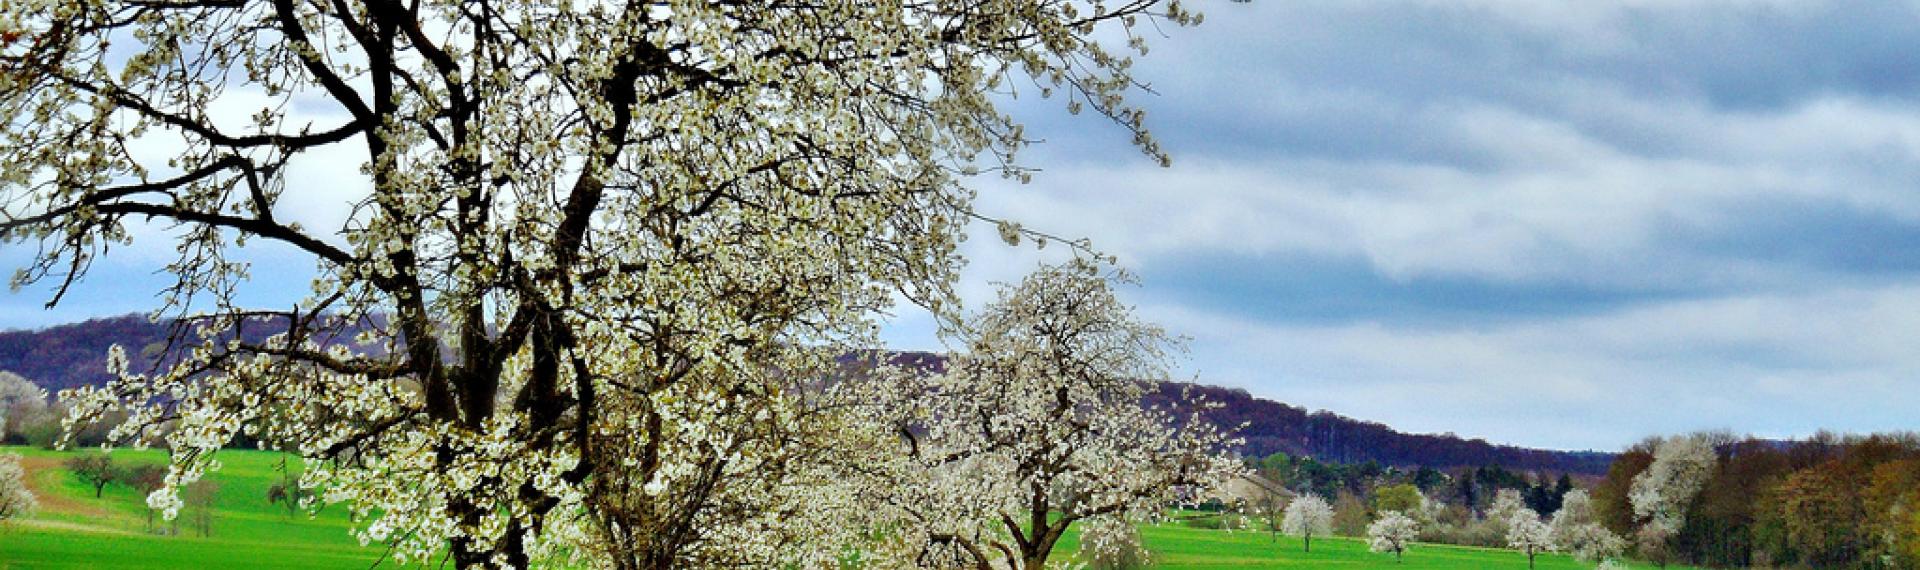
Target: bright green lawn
<point x="75" y="530"/>
<point x="1177" y="546"/>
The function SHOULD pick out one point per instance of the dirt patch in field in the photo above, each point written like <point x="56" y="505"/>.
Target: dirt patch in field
<point x="41" y="471"/>
<point x="70" y="526"/>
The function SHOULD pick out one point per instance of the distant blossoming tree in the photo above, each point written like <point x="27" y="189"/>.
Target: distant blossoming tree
<point x="1040" y="425"/>
<point x="1506" y="504"/>
<point x="1528" y="535"/>
<point x="1307" y="516"/>
<point x="16" y="501"/>
<point x="1393" y="532"/>
<point x="1661" y="494"/>
<point x="21" y="402"/>
<point x="1575" y="529"/>
<point x="581" y="237"/>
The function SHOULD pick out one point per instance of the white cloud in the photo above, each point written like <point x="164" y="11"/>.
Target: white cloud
<point x="1779" y="364"/>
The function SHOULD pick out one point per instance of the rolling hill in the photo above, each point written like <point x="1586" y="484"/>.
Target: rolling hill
<point x="73" y="355"/>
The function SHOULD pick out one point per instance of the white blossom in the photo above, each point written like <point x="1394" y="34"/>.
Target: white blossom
<point x="16" y="501"/>
<point x="1681" y="466"/>
<point x="1307" y="516"/>
<point x="1528" y="535"/>
<point x="1393" y="532"/>
<point x="1575" y="530"/>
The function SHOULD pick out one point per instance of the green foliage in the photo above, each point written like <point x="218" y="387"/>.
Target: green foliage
<point x="1350" y="517"/>
<point x="1403" y="497"/>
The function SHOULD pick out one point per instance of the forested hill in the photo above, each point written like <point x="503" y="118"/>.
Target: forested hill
<point x="1327" y="436"/>
<point x="74" y="355"/>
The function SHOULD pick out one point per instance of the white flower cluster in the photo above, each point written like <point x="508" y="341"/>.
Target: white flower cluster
<point x="16" y="501"/>
<point x="1681" y="466"/>
<point x="1393" y="532"/>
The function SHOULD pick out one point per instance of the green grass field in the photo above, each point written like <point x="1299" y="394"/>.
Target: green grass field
<point x="1177" y="546"/>
<point x="74" y="530"/>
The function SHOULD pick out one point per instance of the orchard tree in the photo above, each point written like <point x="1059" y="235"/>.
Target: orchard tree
<point x="1040" y="425"/>
<point x="1507" y="503"/>
<point x="575" y="232"/>
<point x="146" y="478"/>
<point x="1661" y="494"/>
<point x="1528" y="535"/>
<point x="1576" y="509"/>
<point x="287" y="492"/>
<point x="1267" y="499"/>
<point x="95" y="469"/>
<point x="1576" y="529"/>
<point x="1308" y="515"/>
<point x="1394" y="532"/>
<point x="199" y="498"/>
<point x="21" y="403"/>
<point x="16" y="501"/>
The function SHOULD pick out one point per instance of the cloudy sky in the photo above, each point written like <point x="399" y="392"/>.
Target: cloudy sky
<point x="1555" y="224"/>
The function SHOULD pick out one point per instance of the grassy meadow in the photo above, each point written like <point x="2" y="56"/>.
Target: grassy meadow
<point x="73" y="530"/>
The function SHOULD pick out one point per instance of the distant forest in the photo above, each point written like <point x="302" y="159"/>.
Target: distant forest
<point x="74" y="355"/>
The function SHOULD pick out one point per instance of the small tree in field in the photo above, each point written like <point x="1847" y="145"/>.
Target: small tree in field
<point x="1270" y="501"/>
<point x="1392" y="533"/>
<point x="287" y="492"/>
<point x="199" y="497"/>
<point x="1528" y="535"/>
<point x="1040" y="425"/>
<point x="146" y="478"/>
<point x="16" y="502"/>
<point x="96" y="469"/>
<point x="1308" y="515"/>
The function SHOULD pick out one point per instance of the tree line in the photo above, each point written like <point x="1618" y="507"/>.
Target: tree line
<point x="1714" y="499"/>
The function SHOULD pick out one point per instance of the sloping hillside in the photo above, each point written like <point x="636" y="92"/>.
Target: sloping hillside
<point x="75" y="355"/>
<point x="1327" y="436"/>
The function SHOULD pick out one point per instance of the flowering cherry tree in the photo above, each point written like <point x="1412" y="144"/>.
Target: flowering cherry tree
<point x="16" y="501"/>
<point x="1576" y="530"/>
<point x="1308" y="515"/>
<point x="1527" y="534"/>
<point x="1681" y="466"/>
<point x="1394" y="532"/>
<point x="1039" y="425"/>
<point x="586" y="239"/>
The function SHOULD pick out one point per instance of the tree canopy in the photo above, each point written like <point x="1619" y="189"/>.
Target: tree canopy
<point x="594" y="251"/>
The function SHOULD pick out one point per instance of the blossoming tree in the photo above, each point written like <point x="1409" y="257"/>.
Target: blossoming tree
<point x="1661" y="495"/>
<point x="582" y="235"/>
<point x="1394" y="532"/>
<point x="1308" y="515"/>
<point x="1527" y="534"/>
<point x="1576" y="530"/>
<point x="1039" y="425"/>
<point x="16" y="501"/>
